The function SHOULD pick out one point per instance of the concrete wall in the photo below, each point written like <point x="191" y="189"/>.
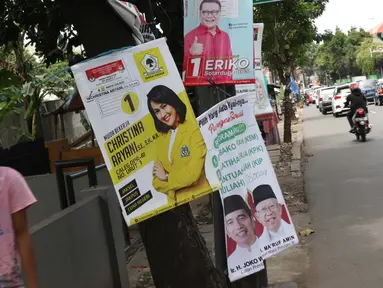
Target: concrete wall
<point x="103" y="179"/>
<point x="72" y="122"/>
<point x="44" y="187"/>
<point x="14" y="125"/>
<point x="11" y="128"/>
<point x="82" y="246"/>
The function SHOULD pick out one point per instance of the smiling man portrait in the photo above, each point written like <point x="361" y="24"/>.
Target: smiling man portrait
<point x="208" y="40"/>
<point x="239" y="227"/>
<point x="269" y="214"/>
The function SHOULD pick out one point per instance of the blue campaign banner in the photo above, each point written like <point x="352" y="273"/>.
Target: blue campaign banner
<point x="218" y="42"/>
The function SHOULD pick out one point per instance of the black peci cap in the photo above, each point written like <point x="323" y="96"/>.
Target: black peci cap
<point x="263" y="192"/>
<point x="233" y="203"/>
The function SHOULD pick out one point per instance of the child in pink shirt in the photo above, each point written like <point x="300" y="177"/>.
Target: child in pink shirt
<point x="15" y="240"/>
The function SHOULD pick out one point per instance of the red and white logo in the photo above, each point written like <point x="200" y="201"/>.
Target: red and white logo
<point x="104" y="70"/>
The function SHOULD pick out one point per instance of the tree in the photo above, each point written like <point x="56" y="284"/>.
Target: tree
<point x="368" y="61"/>
<point x="354" y="39"/>
<point x="182" y="260"/>
<point x="9" y="74"/>
<point x="30" y="81"/>
<point x="289" y="28"/>
<point x="36" y="90"/>
<point x="33" y="92"/>
<point x="337" y="53"/>
<point x="307" y="59"/>
<point x="9" y="100"/>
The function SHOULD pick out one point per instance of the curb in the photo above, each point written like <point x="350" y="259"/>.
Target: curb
<point x="297" y="150"/>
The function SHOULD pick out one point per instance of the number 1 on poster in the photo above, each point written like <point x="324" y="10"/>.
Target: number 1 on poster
<point x="196" y="65"/>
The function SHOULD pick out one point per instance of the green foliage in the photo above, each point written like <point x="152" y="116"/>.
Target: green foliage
<point x="8" y="78"/>
<point x="44" y="84"/>
<point x="366" y="59"/>
<point x="25" y="137"/>
<point x="10" y="100"/>
<point x="32" y="93"/>
<point x="289" y="31"/>
<point x="306" y="60"/>
<point x="336" y="55"/>
<point x="44" y="23"/>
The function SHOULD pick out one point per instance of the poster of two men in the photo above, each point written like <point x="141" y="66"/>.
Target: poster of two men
<point x="255" y="224"/>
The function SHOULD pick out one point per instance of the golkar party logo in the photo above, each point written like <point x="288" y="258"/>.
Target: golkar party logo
<point x="150" y="64"/>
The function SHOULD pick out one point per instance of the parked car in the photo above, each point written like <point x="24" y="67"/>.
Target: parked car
<point x="340" y="95"/>
<point x="318" y="94"/>
<point x="325" y="100"/>
<point x="315" y="95"/>
<point x="379" y="94"/>
<point x="368" y="87"/>
<point x="309" y="92"/>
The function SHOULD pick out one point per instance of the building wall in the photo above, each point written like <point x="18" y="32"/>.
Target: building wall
<point x="44" y="187"/>
<point x="72" y="123"/>
<point x="14" y="125"/>
<point x="82" y="246"/>
<point x="11" y="128"/>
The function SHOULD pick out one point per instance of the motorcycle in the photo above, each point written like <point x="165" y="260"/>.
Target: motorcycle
<point x="307" y="102"/>
<point x="361" y="124"/>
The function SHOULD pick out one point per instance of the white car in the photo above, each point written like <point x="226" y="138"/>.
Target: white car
<point x="340" y="96"/>
<point x="318" y="93"/>
<point x="315" y="95"/>
<point x="325" y="100"/>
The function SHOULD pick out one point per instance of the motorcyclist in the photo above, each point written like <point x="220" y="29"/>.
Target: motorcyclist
<point x="355" y="100"/>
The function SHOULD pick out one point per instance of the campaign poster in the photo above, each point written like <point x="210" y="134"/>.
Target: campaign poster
<point x="128" y="12"/>
<point x="258" y="38"/>
<point x="146" y="129"/>
<point x="218" y="43"/>
<point x="259" y="98"/>
<point x="257" y="222"/>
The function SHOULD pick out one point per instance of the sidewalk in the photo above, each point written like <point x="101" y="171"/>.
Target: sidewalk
<point x="286" y="270"/>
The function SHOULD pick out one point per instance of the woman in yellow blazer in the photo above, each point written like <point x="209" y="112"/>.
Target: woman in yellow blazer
<point x="179" y="170"/>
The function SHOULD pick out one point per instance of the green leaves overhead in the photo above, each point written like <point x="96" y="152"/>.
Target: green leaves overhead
<point x="10" y="98"/>
<point x="44" y="23"/>
<point x="343" y="55"/>
<point x="368" y="60"/>
<point x="289" y="31"/>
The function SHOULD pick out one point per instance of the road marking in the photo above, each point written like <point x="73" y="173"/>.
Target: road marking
<point x="373" y="112"/>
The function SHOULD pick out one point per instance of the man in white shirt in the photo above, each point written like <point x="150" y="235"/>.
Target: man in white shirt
<point x="240" y="227"/>
<point x="269" y="214"/>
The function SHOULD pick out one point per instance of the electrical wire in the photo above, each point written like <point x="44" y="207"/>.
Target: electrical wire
<point x="211" y="81"/>
<point x="167" y="16"/>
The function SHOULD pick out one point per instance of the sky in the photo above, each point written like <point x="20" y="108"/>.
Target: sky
<point x="348" y="13"/>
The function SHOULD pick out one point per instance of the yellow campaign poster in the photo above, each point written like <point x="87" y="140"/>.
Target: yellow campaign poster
<point x="146" y="129"/>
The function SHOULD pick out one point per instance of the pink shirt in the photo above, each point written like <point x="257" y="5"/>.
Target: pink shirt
<point x="216" y="46"/>
<point x="15" y="195"/>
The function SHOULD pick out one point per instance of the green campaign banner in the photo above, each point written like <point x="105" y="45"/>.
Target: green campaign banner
<point x="256" y="2"/>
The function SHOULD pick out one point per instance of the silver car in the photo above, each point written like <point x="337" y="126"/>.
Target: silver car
<point x="325" y="100"/>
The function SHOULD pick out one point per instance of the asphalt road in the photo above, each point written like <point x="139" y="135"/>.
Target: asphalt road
<point x="344" y="183"/>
